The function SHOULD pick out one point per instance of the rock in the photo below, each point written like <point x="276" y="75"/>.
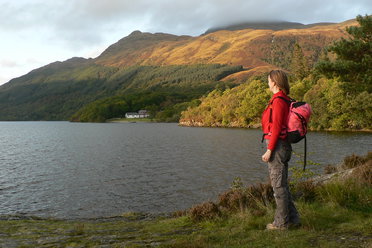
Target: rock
<point x="336" y="176"/>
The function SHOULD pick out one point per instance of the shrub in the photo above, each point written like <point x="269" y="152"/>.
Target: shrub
<point x="179" y="213"/>
<point x="205" y="211"/>
<point x="262" y="194"/>
<point x="329" y="169"/>
<point x="305" y="190"/>
<point x="237" y="184"/>
<point x="254" y="198"/>
<point x="233" y="200"/>
<point x="299" y="175"/>
<point x="363" y="174"/>
<point x="353" y="161"/>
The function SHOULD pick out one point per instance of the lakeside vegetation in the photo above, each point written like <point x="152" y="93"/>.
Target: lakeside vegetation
<point x="338" y="88"/>
<point x="334" y="213"/>
<point x="242" y="106"/>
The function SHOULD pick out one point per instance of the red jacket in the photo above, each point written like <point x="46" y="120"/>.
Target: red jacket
<point x="275" y="128"/>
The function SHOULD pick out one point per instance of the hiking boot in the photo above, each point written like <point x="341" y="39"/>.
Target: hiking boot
<point x="271" y="226"/>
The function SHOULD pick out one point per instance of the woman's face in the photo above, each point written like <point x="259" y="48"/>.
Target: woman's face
<point x="271" y="84"/>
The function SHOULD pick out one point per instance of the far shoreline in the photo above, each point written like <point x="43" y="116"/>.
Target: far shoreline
<point x="120" y="120"/>
<point x="259" y="127"/>
<point x="148" y="120"/>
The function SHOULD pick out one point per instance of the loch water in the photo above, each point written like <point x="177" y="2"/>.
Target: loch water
<point x="86" y="170"/>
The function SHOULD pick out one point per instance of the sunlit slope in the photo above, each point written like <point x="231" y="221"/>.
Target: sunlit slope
<point x="249" y="47"/>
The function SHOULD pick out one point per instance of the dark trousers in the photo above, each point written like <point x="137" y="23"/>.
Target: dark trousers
<point x="286" y="212"/>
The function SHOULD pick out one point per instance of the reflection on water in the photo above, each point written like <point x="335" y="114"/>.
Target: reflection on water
<point x="71" y="170"/>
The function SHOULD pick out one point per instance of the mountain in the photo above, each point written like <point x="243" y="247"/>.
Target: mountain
<point x="249" y="47"/>
<point x="161" y="62"/>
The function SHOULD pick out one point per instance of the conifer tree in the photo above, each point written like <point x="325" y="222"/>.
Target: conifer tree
<point x="299" y="65"/>
<point x="354" y="58"/>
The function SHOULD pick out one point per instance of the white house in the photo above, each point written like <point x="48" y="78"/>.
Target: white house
<point x="131" y="115"/>
<point x="141" y="114"/>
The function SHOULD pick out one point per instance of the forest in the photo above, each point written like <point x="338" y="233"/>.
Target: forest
<point x="164" y="91"/>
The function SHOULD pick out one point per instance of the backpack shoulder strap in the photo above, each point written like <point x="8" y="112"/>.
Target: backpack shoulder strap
<point x="271" y="103"/>
<point x="285" y="99"/>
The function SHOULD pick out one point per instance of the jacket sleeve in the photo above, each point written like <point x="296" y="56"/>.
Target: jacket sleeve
<point x="279" y="112"/>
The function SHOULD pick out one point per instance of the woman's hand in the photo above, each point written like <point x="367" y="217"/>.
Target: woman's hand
<point x="266" y="156"/>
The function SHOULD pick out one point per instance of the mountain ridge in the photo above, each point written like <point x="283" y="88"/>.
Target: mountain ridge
<point x="223" y="46"/>
<point x="168" y="49"/>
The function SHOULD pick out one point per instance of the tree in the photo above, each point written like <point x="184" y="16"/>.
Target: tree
<point x="335" y="109"/>
<point x="299" y="64"/>
<point x="353" y="63"/>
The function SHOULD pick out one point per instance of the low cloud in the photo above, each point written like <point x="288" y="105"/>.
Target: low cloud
<point x="88" y="22"/>
<point x="8" y="63"/>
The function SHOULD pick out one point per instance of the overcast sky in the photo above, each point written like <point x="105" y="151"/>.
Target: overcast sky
<point x="34" y="33"/>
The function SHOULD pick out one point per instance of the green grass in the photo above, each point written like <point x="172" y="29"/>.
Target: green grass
<point x="323" y="225"/>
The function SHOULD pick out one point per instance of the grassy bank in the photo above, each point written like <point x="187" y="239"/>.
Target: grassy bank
<point x="337" y="213"/>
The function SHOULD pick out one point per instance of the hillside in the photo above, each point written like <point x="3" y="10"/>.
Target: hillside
<point x="58" y="90"/>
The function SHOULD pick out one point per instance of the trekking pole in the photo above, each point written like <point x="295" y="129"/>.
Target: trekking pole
<point x="305" y="148"/>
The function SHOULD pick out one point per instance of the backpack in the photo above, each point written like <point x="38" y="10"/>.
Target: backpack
<point x="298" y="117"/>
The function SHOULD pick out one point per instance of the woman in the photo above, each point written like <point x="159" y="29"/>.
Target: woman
<point x="279" y="150"/>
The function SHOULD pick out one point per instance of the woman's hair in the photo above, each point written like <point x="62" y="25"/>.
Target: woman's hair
<point x="281" y="80"/>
